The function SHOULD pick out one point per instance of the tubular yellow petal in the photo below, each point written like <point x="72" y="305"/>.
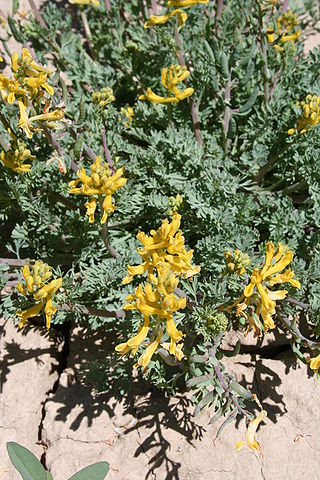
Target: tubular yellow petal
<point x="145" y="358"/>
<point x="141" y="335"/>
<point x="49" y="310"/>
<point x="281" y="264"/>
<point x="33" y="311"/>
<point x="175" y="334"/>
<point x="251" y="431"/>
<point x="49" y="289"/>
<point x="161" y="19"/>
<point x="185" y="3"/>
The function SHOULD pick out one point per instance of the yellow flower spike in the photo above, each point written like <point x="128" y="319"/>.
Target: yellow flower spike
<point x="145" y="358"/>
<point x="162" y="19"/>
<point x="285" y="30"/>
<point x="103" y="97"/>
<point x="157" y="297"/>
<point x="185" y="3"/>
<point x="33" y="311"/>
<point x="16" y="155"/>
<point x="100" y="182"/>
<point x="258" y="293"/>
<point x="170" y="77"/>
<point x="49" y="311"/>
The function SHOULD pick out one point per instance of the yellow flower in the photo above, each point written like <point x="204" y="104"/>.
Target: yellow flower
<point x="315" y="363"/>
<point x="127" y="114"/>
<point x="165" y="259"/>
<point x="257" y="294"/>
<point x="285" y="29"/>
<point x="10" y="89"/>
<point x="175" y="204"/>
<point x="94" y="3"/>
<point x="33" y="311"/>
<point x="15" y="157"/>
<point x="253" y="444"/>
<point x="100" y="182"/>
<point x="49" y="310"/>
<point x="311" y="114"/>
<point x="145" y="358"/>
<point x="236" y="262"/>
<point x="170" y="78"/>
<point x="185" y="3"/>
<point x="26" y="66"/>
<point x="36" y="289"/>
<point x="103" y="97"/>
<point x="161" y="19"/>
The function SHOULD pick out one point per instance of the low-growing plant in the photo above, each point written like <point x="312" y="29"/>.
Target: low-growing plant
<point x="191" y="126"/>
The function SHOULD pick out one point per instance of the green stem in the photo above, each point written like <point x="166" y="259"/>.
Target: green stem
<point x="264" y="54"/>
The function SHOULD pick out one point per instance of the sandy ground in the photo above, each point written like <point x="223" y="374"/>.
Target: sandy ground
<point x="45" y="406"/>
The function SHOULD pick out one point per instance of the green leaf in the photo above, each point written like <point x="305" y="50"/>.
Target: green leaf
<point x="49" y="476"/>
<point x="244" y="109"/>
<point x="97" y="471"/>
<point x="240" y="390"/>
<point x="232" y="353"/>
<point x="209" y="397"/>
<point x="25" y="462"/>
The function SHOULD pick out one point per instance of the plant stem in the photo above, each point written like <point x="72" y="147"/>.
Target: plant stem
<point x="107" y="151"/>
<point x="296" y="187"/>
<point x="94" y="311"/>
<point x="304" y="306"/>
<point x="105" y="236"/>
<point x="227" y="114"/>
<point x="271" y="160"/>
<point x="37" y="14"/>
<point x="225" y="387"/>
<point x="108" y="5"/>
<point x="264" y="54"/>
<point x="51" y="138"/>
<point x="193" y="107"/>
<point x="13" y="262"/>
<point x="306" y="342"/>
<point x="87" y="33"/>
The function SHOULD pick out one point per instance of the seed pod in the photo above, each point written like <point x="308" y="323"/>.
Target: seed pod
<point x="224" y="66"/>
<point x="15" y="32"/>
<point x="244" y="109"/>
<point x="15" y="6"/>
<point x="82" y="112"/>
<point x="77" y="146"/>
<point x="232" y="128"/>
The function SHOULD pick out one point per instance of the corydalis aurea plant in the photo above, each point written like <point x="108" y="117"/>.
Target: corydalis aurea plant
<point x="165" y="261"/>
<point x="310" y="107"/>
<point x="170" y="78"/>
<point x="36" y="289"/>
<point x="258" y="299"/>
<point x="100" y="183"/>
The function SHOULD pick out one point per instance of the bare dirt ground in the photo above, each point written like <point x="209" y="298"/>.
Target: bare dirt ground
<point x="45" y="406"/>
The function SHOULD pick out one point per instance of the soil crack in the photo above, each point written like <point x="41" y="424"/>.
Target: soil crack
<point x="62" y="365"/>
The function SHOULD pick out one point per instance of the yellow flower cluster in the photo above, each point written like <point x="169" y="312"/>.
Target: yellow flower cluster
<point x="103" y="97"/>
<point x="28" y="86"/>
<point x="165" y="259"/>
<point x="286" y="30"/>
<point x="99" y="182"/>
<point x="36" y="289"/>
<point x="175" y="203"/>
<point x="258" y="294"/>
<point x="236" y="262"/>
<point x="311" y="114"/>
<point x="170" y="78"/>
<point x="178" y="13"/>
<point x="15" y="157"/>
